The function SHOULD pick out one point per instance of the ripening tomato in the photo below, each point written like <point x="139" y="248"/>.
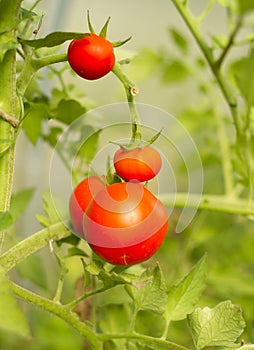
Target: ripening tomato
<point x="141" y="164"/>
<point x="80" y="199"/>
<point x="125" y="223"/>
<point x="91" y="57"/>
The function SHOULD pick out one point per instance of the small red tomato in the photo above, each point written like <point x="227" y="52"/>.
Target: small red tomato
<point x="80" y="199"/>
<point x="91" y="57"/>
<point x="141" y="164"/>
<point x="125" y="223"/>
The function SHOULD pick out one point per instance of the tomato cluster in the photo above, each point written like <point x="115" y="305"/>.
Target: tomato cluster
<point x="124" y="223"/>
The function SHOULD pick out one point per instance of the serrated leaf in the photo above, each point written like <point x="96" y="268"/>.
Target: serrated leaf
<point x="11" y="316"/>
<point x="53" y="39"/>
<point x="220" y="326"/>
<point x="183" y="296"/>
<point x="6" y="220"/>
<point x="149" y="292"/>
<point x="179" y="40"/>
<point x="20" y="201"/>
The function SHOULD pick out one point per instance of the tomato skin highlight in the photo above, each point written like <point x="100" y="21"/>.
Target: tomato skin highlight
<point x="91" y="57"/>
<point x="125" y="223"/>
<point x="141" y="164"/>
<point x="80" y="198"/>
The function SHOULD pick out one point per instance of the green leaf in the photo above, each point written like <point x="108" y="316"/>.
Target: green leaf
<point x="245" y="6"/>
<point x="32" y="268"/>
<point x="149" y="292"/>
<point x="174" y="71"/>
<point x="69" y="110"/>
<point x="244" y="75"/>
<point x="27" y="13"/>
<point x="53" y="39"/>
<point x="220" y="326"/>
<point x="183" y="296"/>
<point x="11" y="44"/>
<point x="11" y="316"/>
<point x="74" y="251"/>
<point x="6" y="220"/>
<point x="179" y="40"/>
<point x="20" y="201"/>
<point x="32" y="123"/>
<point x="53" y="209"/>
<point x="89" y="148"/>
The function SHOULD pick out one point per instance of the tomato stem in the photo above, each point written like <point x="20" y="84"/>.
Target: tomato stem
<point x="131" y="91"/>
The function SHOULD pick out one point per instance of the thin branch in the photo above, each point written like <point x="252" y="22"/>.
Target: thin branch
<point x="221" y="58"/>
<point x="8" y="118"/>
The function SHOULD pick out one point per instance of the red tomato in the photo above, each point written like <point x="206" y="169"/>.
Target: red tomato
<point x="80" y="199"/>
<point x="125" y="223"/>
<point x="141" y="164"/>
<point x="91" y="57"/>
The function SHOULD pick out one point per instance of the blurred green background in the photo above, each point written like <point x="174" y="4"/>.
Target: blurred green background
<point x="171" y="75"/>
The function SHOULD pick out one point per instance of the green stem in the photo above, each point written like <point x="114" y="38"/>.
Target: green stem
<point x="32" y="66"/>
<point x="59" y="310"/>
<point x="63" y="272"/>
<point x="130" y="90"/>
<point x="230" y="98"/>
<point x="32" y="244"/>
<point x="219" y="203"/>
<point x="143" y="337"/>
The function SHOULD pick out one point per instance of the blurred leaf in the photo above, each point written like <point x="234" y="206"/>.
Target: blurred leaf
<point x="244" y="75"/>
<point x="174" y="71"/>
<point x="69" y="110"/>
<point x="11" y="316"/>
<point x="220" y="326"/>
<point x="32" y="268"/>
<point x="149" y="292"/>
<point x="32" y="123"/>
<point x="245" y="6"/>
<point x="179" y="40"/>
<point x="114" y="318"/>
<point x="20" y="201"/>
<point x="89" y="148"/>
<point x="74" y="251"/>
<point x="183" y="296"/>
<point x="72" y="239"/>
<point x="51" y="208"/>
<point x="53" y="39"/>
<point x="11" y="44"/>
<point x="144" y="64"/>
<point x="53" y="135"/>
<point x="27" y="13"/>
<point x="6" y="220"/>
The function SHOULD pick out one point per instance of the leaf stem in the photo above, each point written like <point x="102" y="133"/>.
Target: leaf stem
<point x="59" y="310"/>
<point x="32" y="244"/>
<point x="230" y="98"/>
<point x="143" y="337"/>
<point x="131" y="90"/>
<point x="219" y="203"/>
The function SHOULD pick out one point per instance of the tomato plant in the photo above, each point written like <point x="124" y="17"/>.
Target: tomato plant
<point x="91" y="57"/>
<point x="125" y="223"/>
<point x="141" y="164"/>
<point x="94" y="304"/>
<point x="80" y="199"/>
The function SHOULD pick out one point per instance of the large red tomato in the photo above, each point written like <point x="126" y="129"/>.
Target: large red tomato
<point x="80" y="199"/>
<point x="125" y="223"/>
<point x="91" y="57"/>
<point x="141" y="164"/>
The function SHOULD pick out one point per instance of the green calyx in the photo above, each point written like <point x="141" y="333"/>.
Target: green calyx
<point x="137" y="143"/>
<point x="103" y="32"/>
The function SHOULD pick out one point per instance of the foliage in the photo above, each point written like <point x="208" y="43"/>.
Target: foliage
<point x="188" y="295"/>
